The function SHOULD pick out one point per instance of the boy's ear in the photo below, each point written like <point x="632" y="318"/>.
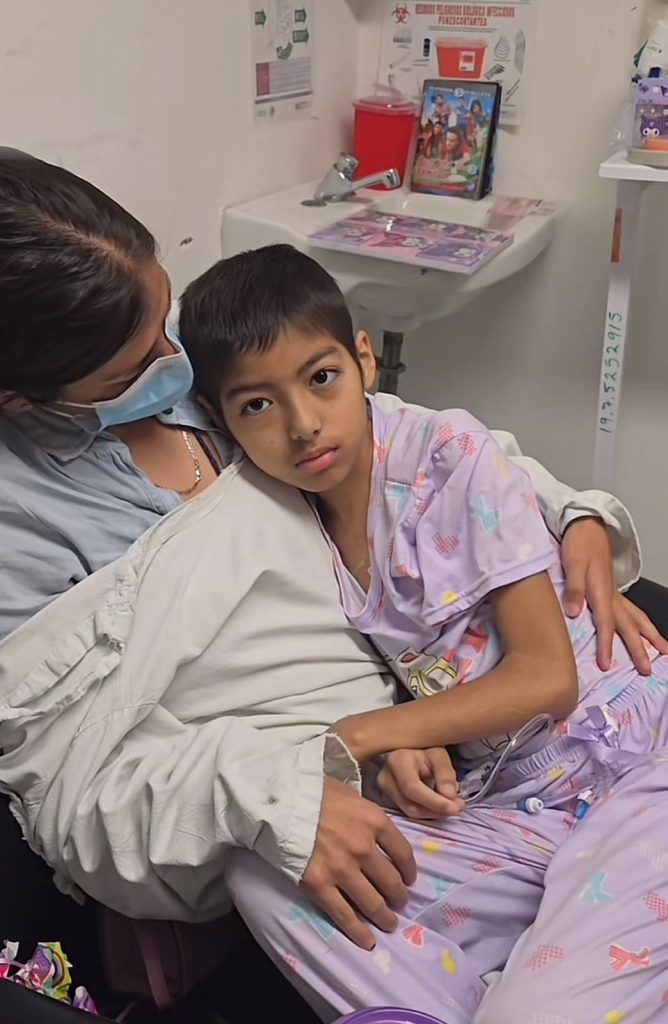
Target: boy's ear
<point x="215" y="415"/>
<point x="366" y="358"/>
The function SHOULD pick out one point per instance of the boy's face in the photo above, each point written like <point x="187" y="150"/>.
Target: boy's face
<point x="298" y="410"/>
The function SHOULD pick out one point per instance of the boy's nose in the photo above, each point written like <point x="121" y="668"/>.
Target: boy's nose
<point x="304" y="423"/>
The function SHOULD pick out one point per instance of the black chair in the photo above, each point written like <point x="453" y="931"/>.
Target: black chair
<point x="18" y="1006"/>
<point x="32" y="910"/>
<point x="653" y="599"/>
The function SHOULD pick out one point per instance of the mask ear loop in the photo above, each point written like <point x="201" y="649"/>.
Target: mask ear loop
<point x="521" y="737"/>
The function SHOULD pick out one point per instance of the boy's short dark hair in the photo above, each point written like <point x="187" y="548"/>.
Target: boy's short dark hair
<point x="242" y="304"/>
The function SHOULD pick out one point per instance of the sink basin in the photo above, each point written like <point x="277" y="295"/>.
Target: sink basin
<point x="403" y="297"/>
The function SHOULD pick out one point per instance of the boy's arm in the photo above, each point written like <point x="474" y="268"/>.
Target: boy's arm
<point x="536" y="675"/>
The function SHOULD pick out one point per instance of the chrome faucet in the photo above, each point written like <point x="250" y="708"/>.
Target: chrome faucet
<point x="339" y="182"/>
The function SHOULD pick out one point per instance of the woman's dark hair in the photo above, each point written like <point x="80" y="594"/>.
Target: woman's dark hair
<point x="70" y="291"/>
<point x="242" y="304"/>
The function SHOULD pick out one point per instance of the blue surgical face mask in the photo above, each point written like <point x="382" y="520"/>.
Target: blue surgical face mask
<point x="162" y="384"/>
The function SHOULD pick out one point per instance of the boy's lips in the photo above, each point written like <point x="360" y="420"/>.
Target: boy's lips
<point x="318" y="461"/>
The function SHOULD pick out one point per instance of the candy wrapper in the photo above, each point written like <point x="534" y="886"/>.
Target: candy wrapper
<point x="47" y="971"/>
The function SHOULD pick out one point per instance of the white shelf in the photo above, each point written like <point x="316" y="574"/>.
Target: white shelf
<point x="620" y="168"/>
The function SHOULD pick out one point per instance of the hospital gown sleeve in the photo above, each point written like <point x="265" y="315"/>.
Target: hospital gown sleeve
<point x="561" y="505"/>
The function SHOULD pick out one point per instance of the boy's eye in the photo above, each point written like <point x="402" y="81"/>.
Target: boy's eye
<point x="323" y="378"/>
<point x="255" y="407"/>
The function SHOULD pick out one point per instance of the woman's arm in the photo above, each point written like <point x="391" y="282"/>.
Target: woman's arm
<point x="537" y="675"/>
<point x="139" y="804"/>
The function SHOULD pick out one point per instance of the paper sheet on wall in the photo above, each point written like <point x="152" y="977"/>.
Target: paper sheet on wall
<point x="282" y="54"/>
<point x="441" y="40"/>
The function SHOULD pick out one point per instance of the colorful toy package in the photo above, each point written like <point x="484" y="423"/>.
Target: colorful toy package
<point x="47" y="971"/>
<point x="649" y="143"/>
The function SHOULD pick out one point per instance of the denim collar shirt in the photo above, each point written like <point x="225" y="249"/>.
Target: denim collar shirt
<point x="72" y="501"/>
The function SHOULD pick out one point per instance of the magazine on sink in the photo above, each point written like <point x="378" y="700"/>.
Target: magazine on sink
<point x="441" y="245"/>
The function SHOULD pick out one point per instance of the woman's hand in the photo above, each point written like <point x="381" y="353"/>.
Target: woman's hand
<point x="587" y="561"/>
<point x="421" y="783"/>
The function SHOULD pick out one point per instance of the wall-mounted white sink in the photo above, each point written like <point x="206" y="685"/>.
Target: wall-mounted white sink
<point x="405" y="297"/>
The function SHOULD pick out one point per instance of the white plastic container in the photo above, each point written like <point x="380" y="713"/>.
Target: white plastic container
<point x="655" y="52"/>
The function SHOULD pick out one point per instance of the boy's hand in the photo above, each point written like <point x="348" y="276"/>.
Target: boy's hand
<point x="421" y="783"/>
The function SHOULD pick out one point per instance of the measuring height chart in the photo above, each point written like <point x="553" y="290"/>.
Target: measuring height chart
<point x="476" y="40"/>
<point x="282" y="55"/>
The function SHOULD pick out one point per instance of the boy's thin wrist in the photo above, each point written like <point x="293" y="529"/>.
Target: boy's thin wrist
<point x="360" y="735"/>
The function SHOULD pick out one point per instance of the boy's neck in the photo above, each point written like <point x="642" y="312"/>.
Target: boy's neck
<point x="348" y="503"/>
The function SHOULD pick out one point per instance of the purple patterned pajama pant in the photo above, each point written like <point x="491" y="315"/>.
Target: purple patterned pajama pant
<point x="574" y="912"/>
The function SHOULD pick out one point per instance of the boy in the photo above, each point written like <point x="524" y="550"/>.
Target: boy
<point x="442" y="557"/>
<point x="440" y="552"/>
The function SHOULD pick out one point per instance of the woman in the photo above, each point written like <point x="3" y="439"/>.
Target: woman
<point x="99" y="438"/>
<point x="84" y="306"/>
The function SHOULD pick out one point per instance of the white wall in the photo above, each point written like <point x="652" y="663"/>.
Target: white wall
<point x="527" y="357"/>
<point x="151" y="100"/>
